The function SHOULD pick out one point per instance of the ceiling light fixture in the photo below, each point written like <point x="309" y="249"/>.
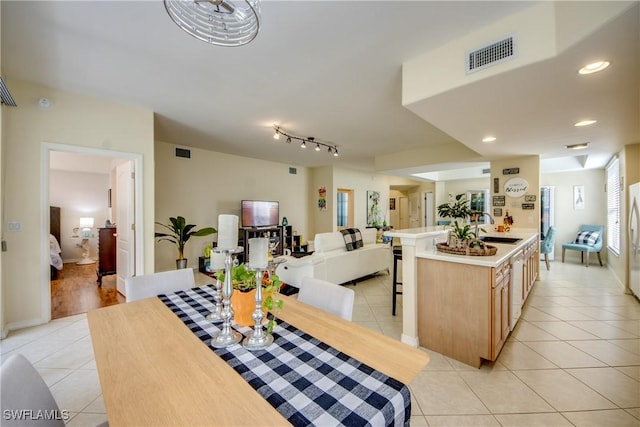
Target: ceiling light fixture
<point x="594" y="67"/>
<point x="276" y="135"/>
<point x="489" y="139"/>
<point x="580" y="146"/>
<point x="331" y="148"/>
<point x="584" y="123"/>
<point x="219" y="22"/>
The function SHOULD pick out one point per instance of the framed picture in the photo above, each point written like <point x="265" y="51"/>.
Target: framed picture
<point x="578" y="197"/>
<point x="373" y="208"/>
<point x="109" y="198"/>
<point x="392" y="204"/>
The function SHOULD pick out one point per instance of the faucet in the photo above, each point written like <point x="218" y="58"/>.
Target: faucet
<point x="478" y="215"/>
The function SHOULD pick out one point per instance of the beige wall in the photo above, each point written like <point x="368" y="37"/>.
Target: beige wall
<point x="73" y="120"/>
<point x="530" y="171"/>
<point x="211" y="183"/>
<point x="567" y="220"/>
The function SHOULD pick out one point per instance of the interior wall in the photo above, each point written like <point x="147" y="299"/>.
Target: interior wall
<point x="567" y="219"/>
<point x="3" y="330"/>
<point x="79" y="194"/>
<point x="631" y="173"/>
<point x="75" y="120"/>
<point x="324" y="219"/>
<point x="210" y="183"/>
<point x="529" y="170"/>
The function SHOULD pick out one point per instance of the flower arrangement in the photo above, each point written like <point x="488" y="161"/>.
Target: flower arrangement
<point x="459" y="209"/>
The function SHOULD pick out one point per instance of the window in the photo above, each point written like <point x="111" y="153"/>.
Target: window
<point x="344" y="208"/>
<point x="613" y="206"/>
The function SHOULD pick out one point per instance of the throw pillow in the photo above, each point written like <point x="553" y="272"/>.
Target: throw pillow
<point x="352" y="238"/>
<point x="587" y="238"/>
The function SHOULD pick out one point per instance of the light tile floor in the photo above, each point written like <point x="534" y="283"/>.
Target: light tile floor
<point x="573" y="359"/>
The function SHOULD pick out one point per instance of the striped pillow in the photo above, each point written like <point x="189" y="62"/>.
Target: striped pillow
<point x="587" y="238"/>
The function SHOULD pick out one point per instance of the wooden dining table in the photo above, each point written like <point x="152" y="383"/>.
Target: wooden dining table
<point x="154" y="371"/>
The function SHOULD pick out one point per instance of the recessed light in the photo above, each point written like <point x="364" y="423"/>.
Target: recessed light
<point x="580" y="146"/>
<point x="594" y="67"/>
<point x="585" y="123"/>
<point x="489" y="139"/>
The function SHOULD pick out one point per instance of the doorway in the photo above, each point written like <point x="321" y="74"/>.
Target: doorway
<point x="90" y="193"/>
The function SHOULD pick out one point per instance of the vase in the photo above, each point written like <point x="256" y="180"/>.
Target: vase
<point x="244" y="304"/>
<point x="181" y="263"/>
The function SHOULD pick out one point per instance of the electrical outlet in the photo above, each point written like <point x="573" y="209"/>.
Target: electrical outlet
<point x="14" y="226"/>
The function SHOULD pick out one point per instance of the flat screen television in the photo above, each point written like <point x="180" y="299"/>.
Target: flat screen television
<point x="260" y="213"/>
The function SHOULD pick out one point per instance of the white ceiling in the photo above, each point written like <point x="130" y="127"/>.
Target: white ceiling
<point x="331" y="70"/>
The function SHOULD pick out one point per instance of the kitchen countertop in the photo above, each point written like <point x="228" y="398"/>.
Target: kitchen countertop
<point x="505" y="250"/>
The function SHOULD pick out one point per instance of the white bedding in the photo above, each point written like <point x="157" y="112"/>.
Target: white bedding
<point x="54" y="250"/>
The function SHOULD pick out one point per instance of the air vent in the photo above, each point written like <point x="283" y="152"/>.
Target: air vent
<point x="183" y="152"/>
<point x="293" y="171"/>
<point x="486" y="171"/>
<point x="6" y="97"/>
<point x="491" y="54"/>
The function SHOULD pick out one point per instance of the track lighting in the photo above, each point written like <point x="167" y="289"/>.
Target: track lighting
<point x="331" y="149"/>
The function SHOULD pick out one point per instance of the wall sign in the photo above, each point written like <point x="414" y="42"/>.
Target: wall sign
<point x="497" y="211"/>
<point x="516" y="187"/>
<point x="496" y="185"/>
<point x="510" y="171"/>
<point x="530" y="198"/>
<point x="498" y="201"/>
<point x="528" y="206"/>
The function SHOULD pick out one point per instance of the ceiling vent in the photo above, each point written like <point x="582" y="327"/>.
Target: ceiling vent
<point x="6" y="97"/>
<point x="491" y="54"/>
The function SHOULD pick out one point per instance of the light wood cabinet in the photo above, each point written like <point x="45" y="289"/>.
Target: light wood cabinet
<point x="530" y="267"/>
<point x="463" y="309"/>
<point x="500" y="308"/>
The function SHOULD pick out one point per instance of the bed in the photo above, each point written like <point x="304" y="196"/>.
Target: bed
<point x="54" y="242"/>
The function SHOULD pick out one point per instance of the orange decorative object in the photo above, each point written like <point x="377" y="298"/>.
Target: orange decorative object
<point x="244" y="304"/>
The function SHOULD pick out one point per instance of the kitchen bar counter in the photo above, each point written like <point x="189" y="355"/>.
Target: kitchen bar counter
<point x="418" y="243"/>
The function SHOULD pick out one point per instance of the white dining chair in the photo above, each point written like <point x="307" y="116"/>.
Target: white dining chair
<point x="24" y="391"/>
<point x="327" y="296"/>
<point x="150" y="285"/>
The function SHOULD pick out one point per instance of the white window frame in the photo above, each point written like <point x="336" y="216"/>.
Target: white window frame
<point x="613" y="205"/>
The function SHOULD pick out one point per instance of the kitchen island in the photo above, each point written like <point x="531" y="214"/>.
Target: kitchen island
<point x="464" y="306"/>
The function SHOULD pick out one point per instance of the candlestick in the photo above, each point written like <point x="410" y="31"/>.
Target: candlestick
<point x="259" y="339"/>
<point x="258" y="250"/>
<point x="226" y="336"/>
<point x="227" y="231"/>
<point x="216" y="315"/>
<point x="216" y="261"/>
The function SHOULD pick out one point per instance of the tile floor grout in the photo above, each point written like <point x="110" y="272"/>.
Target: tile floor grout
<point x="545" y="375"/>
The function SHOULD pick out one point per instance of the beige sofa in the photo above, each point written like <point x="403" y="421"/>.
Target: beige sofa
<point x="332" y="262"/>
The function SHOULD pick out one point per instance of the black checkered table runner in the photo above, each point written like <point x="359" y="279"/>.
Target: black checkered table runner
<point x="307" y="381"/>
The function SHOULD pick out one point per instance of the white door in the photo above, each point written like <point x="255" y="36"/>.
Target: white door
<point x="404" y="213"/>
<point x="125" y="219"/>
<point x="414" y="210"/>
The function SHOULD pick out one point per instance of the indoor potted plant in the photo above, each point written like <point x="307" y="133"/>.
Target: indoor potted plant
<point x="462" y="234"/>
<point x="243" y="297"/>
<point x="180" y="233"/>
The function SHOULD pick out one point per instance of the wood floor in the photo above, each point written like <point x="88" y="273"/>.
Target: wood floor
<point x="76" y="291"/>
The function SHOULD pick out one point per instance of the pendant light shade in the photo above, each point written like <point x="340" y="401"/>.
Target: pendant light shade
<point x="219" y="22"/>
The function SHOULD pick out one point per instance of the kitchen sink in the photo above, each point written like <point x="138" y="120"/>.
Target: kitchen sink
<point x="498" y="239"/>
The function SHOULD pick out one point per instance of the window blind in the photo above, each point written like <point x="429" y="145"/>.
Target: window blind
<point x="613" y="206"/>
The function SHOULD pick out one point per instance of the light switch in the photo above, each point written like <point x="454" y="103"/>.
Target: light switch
<point x="14" y="226"/>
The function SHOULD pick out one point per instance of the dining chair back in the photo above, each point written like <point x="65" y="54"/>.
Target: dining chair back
<point x="150" y="285"/>
<point x="25" y="394"/>
<point x="589" y="239"/>
<point x="327" y="296"/>
<point x="546" y="247"/>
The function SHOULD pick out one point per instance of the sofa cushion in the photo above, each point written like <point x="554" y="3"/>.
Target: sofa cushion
<point x="352" y="238"/>
<point x="325" y="242"/>
<point x="587" y="238"/>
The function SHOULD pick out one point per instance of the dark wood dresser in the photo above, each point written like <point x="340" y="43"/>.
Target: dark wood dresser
<point x="106" y="252"/>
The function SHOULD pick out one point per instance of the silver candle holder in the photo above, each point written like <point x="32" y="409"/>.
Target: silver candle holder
<point x="216" y="315"/>
<point x="226" y="336"/>
<point x="259" y="339"/>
